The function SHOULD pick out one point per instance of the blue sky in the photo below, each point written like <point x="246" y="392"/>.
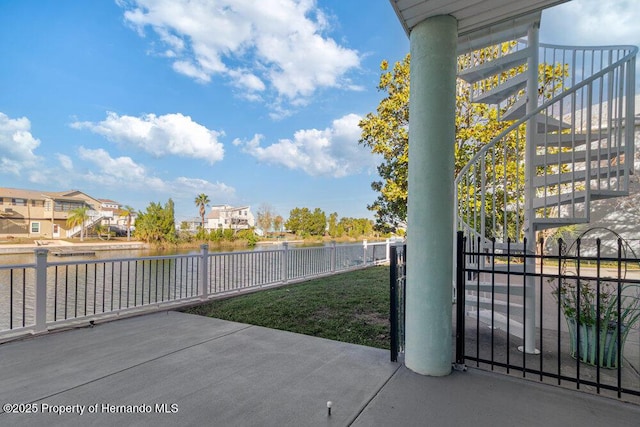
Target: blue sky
<point x="249" y="102"/>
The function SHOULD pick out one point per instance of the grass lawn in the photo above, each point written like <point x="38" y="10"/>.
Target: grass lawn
<point x="351" y="307"/>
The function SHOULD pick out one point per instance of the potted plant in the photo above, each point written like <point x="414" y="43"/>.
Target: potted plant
<point x="595" y="321"/>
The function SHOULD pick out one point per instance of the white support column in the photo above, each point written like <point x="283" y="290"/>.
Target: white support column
<point x="529" y="191"/>
<point x="430" y="203"/>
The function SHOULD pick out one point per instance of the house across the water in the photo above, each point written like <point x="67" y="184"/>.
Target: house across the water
<point x="43" y="214"/>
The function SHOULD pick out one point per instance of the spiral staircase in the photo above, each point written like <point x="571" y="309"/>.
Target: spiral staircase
<point x="568" y="145"/>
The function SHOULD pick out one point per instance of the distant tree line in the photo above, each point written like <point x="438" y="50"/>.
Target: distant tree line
<point x="156" y="225"/>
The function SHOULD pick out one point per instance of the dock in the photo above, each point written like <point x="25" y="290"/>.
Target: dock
<point x="72" y="252"/>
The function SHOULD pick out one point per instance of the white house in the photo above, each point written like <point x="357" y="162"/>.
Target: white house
<point x="229" y="217"/>
<point x="113" y="214"/>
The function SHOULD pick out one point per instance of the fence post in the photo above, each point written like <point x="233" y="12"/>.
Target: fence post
<point x="333" y="256"/>
<point x="387" y="253"/>
<point x="285" y="262"/>
<point x="41" y="290"/>
<point x="460" y="302"/>
<point x="393" y="304"/>
<point x="364" y="252"/>
<point x="204" y="271"/>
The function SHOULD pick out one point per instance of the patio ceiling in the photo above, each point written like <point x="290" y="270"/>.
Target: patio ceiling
<point x="480" y="22"/>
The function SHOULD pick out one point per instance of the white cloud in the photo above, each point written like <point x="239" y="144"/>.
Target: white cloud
<point x="592" y="22"/>
<point x="333" y="151"/>
<point x="124" y="172"/>
<point x="217" y="190"/>
<point x="17" y="145"/>
<point x="65" y="161"/>
<point x="120" y="168"/>
<point x="275" y="45"/>
<point x="191" y="70"/>
<point x="170" y="134"/>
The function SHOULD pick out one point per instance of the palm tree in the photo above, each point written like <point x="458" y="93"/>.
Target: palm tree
<point x="202" y="201"/>
<point x="128" y="211"/>
<point x="77" y="217"/>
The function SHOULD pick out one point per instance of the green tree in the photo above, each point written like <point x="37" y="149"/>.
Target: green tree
<point x="296" y="221"/>
<point x="128" y="211"/>
<point x="277" y="223"/>
<point x="157" y="223"/>
<point x="317" y="223"/>
<point x="333" y="225"/>
<point x="385" y="132"/>
<point x="304" y="222"/>
<point x="264" y="217"/>
<point x="78" y="217"/>
<point x="202" y="200"/>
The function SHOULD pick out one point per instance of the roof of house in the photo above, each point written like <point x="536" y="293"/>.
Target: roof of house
<point x="43" y="195"/>
<point x="214" y="214"/>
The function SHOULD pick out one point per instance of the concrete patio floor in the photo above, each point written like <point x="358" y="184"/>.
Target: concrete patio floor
<point x="213" y="372"/>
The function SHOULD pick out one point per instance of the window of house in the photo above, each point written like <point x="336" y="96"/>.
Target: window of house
<point x="19" y="202"/>
<point x="35" y="227"/>
<point x="66" y="206"/>
<point x="1" y="200"/>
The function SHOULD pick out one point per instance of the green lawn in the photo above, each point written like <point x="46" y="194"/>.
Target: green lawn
<point x="351" y="307"/>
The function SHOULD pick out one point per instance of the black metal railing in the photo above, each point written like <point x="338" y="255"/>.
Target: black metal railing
<point x="586" y="305"/>
<point x="397" y="280"/>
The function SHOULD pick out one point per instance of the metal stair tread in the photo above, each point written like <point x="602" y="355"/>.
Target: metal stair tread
<point x="498" y="289"/>
<point x="515" y="309"/>
<point x="565" y="140"/>
<point x="608" y="194"/>
<point x="544" y="123"/>
<point x="576" y="197"/>
<point x="513" y="246"/>
<point x="577" y="176"/>
<point x="543" y="223"/>
<point x="495" y="66"/>
<point x="499" y="322"/>
<point x="568" y="157"/>
<point x="503" y="90"/>
<point x="550" y="124"/>
<point x="559" y="199"/>
<point x="517" y="111"/>
<point x="486" y="266"/>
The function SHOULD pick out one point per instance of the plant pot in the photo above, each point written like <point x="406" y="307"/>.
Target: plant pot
<point x="588" y="350"/>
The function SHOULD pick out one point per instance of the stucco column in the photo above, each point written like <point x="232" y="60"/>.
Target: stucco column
<point x="428" y="340"/>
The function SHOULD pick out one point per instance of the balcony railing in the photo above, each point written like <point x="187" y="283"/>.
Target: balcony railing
<point x="38" y="297"/>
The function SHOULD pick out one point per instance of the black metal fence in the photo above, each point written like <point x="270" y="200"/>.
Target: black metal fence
<point x="585" y="309"/>
<point x="397" y="280"/>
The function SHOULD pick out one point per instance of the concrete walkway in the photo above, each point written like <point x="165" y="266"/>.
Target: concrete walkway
<point x="181" y="369"/>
